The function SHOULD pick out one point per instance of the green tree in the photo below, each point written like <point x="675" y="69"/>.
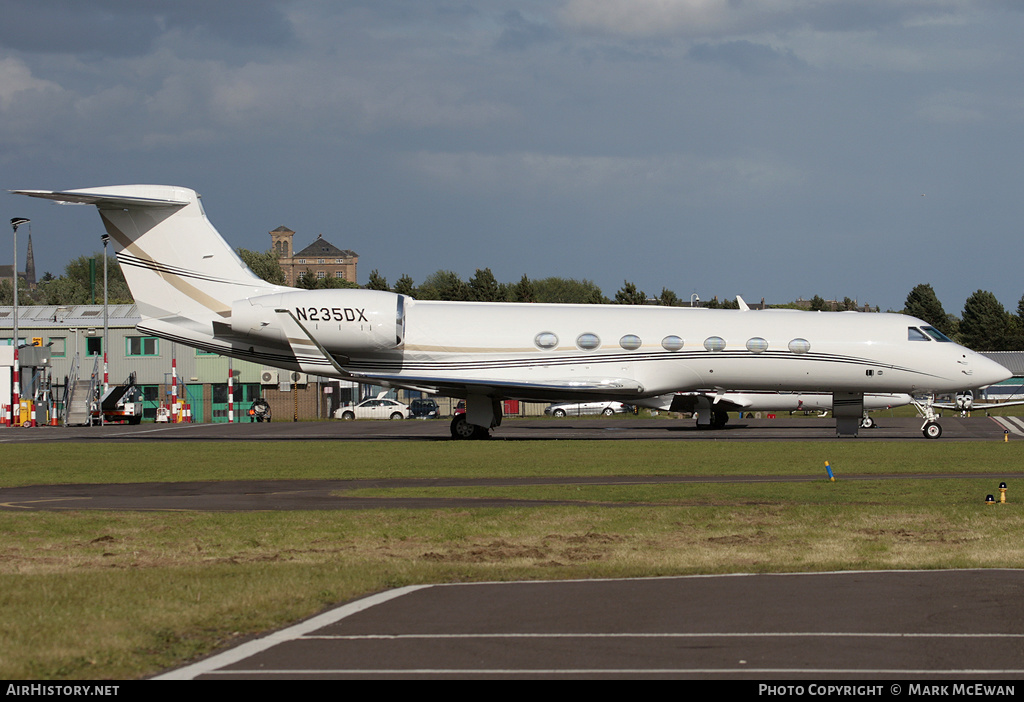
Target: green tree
<point x="332" y="282"/>
<point x="483" y="287"/>
<point x="443" y="285"/>
<point x="923" y="304"/>
<point x="668" y="298"/>
<point x="306" y="280"/>
<point x="523" y="291"/>
<point x="568" y="291"/>
<point x="817" y="303"/>
<point x="7" y="293"/>
<point x="629" y="295"/>
<point x="82" y="284"/>
<point x="986" y="325"/>
<point x="404" y="286"/>
<point x="377" y="281"/>
<point x="264" y="264"/>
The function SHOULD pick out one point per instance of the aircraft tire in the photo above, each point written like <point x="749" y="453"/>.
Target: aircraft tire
<point x="932" y="430"/>
<point x="463" y="430"/>
<point x="867" y="423"/>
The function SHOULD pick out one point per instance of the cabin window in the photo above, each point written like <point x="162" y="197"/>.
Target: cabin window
<point x="546" y="340"/>
<point x="799" y="346"/>
<point x="630" y="342"/>
<point x="915" y="334"/>
<point x="757" y="345"/>
<point x="588" y="341"/>
<point x="936" y="334"/>
<point x="714" y="343"/>
<point x="672" y="343"/>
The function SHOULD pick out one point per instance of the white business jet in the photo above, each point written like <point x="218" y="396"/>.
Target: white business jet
<point x="190" y="287"/>
<point x="712" y="408"/>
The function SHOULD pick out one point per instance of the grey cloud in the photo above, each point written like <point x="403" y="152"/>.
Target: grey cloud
<point x="130" y="28"/>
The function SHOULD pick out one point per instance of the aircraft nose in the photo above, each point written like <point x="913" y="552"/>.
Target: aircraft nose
<point x="989" y="372"/>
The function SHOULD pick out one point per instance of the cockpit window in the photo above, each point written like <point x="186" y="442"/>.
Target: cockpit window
<point x="936" y="334"/>
<point x="915" y="334"/>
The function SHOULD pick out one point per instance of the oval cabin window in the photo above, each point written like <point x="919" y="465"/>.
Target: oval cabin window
<point x="757" y="345"/>
<point x="546" y="340"/>
<point x="799" y="346"/>
<point x="672" y="343"/>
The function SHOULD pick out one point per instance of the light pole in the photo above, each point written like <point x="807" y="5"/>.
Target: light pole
<point x="15" y="388"/>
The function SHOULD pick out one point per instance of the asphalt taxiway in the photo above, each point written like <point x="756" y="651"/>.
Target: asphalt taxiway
<point x="935" y="626"/>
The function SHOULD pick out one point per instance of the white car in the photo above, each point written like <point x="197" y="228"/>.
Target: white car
<point x="379" y="408"/>
<point x="575" y="409"/>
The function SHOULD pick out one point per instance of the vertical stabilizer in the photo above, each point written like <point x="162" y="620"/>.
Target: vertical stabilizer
<point x="179" y="268"/>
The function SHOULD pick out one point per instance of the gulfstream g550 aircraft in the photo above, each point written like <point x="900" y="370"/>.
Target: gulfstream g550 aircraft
<point x="191" y="287"/>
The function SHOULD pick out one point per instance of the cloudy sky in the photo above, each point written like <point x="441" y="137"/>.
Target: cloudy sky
<point x="842" y="148"/>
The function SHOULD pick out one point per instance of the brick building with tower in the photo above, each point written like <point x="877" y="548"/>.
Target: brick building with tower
<point x="321" y="258"/>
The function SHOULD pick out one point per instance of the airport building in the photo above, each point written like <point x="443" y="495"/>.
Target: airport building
<point x="62" y="334"/>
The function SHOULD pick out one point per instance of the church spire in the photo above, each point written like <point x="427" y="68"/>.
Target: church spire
<point x="30" y="265"/>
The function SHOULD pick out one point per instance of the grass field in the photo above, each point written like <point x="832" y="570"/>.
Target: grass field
<point x="92" y="594"/>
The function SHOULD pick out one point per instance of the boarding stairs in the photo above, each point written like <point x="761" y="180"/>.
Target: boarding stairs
<point x="79" y="395"/>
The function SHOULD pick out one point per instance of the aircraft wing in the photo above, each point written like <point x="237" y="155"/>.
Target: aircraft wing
<point x="977" y="407"/>
<point x="544" y="391"/>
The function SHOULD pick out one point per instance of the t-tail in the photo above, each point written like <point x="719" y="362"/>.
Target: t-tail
<point x="182" y="273"/>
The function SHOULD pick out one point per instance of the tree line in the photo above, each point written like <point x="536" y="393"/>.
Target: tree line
<point x="985" y="324"/>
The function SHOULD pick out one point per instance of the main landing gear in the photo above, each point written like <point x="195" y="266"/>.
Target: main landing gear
<point x="480" y="416"/>
<point x="461" y="429"/>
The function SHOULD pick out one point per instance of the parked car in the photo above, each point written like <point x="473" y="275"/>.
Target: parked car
<point x="424" y="409"/>
<point x="574" y="409"/>
<point x="378" y="408"/>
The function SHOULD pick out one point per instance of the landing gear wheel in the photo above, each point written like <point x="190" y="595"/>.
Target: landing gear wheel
<point x="932" y="430"/>
<point x="719" y="419"/>
<point x="461" y="429"/>
<point x="867" y="423"/>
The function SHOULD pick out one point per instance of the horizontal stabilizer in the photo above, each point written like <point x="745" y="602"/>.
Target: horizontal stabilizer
<point x="84" y="197"/>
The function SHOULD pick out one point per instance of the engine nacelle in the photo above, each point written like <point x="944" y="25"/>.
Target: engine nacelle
<point x="343" y="320"/>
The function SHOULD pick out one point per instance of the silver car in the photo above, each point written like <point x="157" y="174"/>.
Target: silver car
<point x="575" y="409"/>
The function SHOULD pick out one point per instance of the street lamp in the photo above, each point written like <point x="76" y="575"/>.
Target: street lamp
<point x="15" y="389"/>
<point x="106" y="329"/>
